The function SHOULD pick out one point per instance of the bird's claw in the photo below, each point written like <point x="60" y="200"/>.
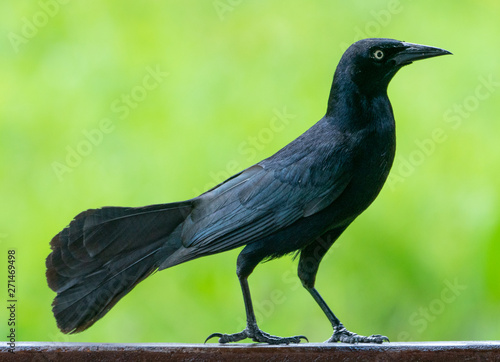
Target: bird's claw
<point x="212" y="336"/>
<point x="343" y="335"/>
<point x="257" y="336"/>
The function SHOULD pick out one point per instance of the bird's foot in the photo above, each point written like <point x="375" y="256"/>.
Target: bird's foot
<point x="257" y="336"/>
<point x="341" y="334"/>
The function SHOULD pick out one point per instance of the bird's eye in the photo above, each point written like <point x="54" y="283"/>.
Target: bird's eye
<point x="378" y="54"/>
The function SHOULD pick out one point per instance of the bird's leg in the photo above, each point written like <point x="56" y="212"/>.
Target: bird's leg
<point x="310" y="257"/>
<point x="340" y="333"/>
<point x="252" y="330"/>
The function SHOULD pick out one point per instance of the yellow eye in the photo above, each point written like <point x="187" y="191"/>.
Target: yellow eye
<point x="378" y="54"/>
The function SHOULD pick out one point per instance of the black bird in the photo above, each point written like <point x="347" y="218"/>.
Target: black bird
<point x="299" y="200"/>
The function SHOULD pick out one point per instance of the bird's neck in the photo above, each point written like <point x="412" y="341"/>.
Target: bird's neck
<point x="352" y="109"/>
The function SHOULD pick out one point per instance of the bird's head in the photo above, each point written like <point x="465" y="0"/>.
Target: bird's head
<point x="371" y="63"/>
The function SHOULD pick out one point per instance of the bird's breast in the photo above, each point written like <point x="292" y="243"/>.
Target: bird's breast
<point x="371" y="167"/>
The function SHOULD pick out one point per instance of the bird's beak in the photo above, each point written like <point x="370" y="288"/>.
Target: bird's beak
<point x="412" y="52"/>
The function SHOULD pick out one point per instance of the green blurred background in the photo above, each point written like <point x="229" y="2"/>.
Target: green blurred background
<point x="83" y="124"/>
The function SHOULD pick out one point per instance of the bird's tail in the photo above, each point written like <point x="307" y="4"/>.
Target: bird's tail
<point x="103" y="254"/>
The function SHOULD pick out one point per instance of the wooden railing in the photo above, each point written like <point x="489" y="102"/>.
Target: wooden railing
<point x="394" y="351"/>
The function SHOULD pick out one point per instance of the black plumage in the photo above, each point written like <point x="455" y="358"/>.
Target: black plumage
<point x="298" y="200"/>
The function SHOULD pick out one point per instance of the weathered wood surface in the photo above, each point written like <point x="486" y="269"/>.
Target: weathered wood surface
<point x="412" y="351"/>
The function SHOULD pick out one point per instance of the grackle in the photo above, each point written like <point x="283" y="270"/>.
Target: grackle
<point x="299" y="200"/>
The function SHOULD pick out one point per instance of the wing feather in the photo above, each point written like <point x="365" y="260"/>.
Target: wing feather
<point x="294" y="183"/>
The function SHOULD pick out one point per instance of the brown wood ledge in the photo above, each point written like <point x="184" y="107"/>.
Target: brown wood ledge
<point x="395" y="351"/>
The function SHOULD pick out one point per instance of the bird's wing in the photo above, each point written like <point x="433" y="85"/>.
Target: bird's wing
<point x="267" y="197"/>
